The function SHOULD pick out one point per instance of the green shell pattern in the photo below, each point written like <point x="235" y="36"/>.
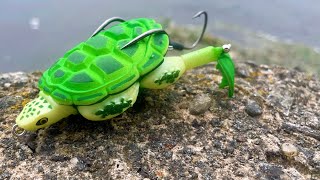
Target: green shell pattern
<point x="97" y="67"/>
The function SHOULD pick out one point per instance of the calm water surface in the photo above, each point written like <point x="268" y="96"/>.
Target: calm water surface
<point x="35" y="33"/>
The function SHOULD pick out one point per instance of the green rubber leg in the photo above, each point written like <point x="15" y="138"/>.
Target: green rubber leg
<point x="173" y="67"/>
<point x="167" y="73"/>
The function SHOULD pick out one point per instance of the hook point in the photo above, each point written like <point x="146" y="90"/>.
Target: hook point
<point x="198" y="14"/>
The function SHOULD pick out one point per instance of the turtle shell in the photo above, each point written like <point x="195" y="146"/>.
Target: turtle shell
<point x="98" y="67"/>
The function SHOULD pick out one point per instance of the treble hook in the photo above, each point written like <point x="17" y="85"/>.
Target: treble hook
<point x="179" y="46"/>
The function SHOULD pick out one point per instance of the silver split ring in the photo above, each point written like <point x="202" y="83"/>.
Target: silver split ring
<point x="15" y="131"/>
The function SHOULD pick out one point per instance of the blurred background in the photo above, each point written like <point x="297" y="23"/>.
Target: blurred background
<point x="284" y="32"/>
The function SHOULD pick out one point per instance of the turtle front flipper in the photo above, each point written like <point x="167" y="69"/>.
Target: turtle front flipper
<point x="112" y="106"/>
<point x="42" y="112"/>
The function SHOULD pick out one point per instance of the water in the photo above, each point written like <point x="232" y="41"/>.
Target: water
<point x="35" y="33"/>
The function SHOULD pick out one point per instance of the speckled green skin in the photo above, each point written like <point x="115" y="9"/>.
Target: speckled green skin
<point x="97" y="67"/>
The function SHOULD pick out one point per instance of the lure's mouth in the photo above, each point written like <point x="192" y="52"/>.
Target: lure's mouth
<point x="226" y="66"/>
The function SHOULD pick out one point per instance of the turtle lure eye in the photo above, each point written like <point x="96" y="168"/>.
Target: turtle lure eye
<point x="42" y="121"/>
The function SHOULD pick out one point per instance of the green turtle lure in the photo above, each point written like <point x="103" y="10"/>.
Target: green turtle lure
<point x="100" y="77"/>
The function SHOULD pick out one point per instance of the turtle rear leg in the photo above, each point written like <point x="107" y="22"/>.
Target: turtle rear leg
<point x="167" y="73"/>
<point x="112" y="106"/>
<point x="173" y="67"/>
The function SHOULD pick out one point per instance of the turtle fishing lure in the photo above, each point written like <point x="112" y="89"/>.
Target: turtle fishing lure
<point x="100" y="77"/>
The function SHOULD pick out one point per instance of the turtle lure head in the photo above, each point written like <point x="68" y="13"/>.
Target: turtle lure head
<point x="42" y="112"/>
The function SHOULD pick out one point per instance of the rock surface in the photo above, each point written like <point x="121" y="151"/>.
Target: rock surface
<point x="160" y="139"/>
<point x="253" y="109"/>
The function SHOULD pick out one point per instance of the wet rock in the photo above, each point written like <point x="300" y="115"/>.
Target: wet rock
<point x="289" y="150"/>
<point x="316" y="156"/>
<point x="230" y="148"/>
<point x="5" y="175"/>
<point x="251" y="64"/>
<point x="200" y="104"/>
<point x="253" y="109"/>
<point x="59" y="158"/>
<point x="316" y="160"/>
<point x="161" y="139"/>
<point x="74" y="161"/>
<point x="167" y="154"/>
<point x="271" y="144"/>
<point x="6" y="85"/>
<point x="50" y="176"/>
<point x="82" y="165"/>
<point x="308" y="131"/>
<point x="17" y="79"/>
<point x="216" y="123"/>
<point x="271" y="171"/>
<point x="8" y="101"/>
<point x="242" y="71"/>
<point x="188" y="151"/>
<point x="292" y="173"/>
<point x="281" y="99"/>
<point x="40" y="169"/>
<point x="301" y="159"/>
